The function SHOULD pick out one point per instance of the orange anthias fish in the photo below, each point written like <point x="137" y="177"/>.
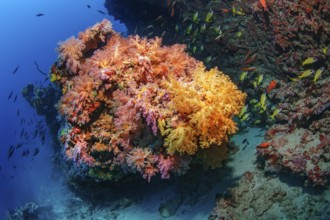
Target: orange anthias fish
<point x="264" y="145"/>
<point x="264" y="4"/>
<point x="271" y="86"/>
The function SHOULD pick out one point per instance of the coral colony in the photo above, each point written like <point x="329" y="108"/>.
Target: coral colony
<point x="131" y="105"/>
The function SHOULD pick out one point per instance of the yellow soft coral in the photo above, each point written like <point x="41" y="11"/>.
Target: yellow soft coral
<point x="207" y="103"/>
<point x="180" y="137"/>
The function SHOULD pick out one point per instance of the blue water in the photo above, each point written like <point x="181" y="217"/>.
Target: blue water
<point x="26" y="38"/>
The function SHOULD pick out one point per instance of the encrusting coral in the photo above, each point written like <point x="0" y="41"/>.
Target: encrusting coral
<point x="131" y="105"/>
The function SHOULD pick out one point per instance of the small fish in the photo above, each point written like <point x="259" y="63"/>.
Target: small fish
<point x="11" y="150"/>
<point x="150" y="27"/>
<point x="88" y="6"/>
<point x="16" y="69"/>
<point x="201" y="48"/>
<point x="264" y="5"/>
<point x="101" y="12"/>
<point x="22" y="133"/>
<point x="195" y="17"/>
<point x="260" y="78"/>
<point x="10" y="95"/>
<point x="35" y="133"/>
<point x="225" y="10"/>
<point x="245" y="117"/>
<point x="249" y="68"/>
<point x="43" y="139"/>
<point x="256" y="122"/>
<point x="237" y="11"/>
<point x="244" y="141"/>
<point x="15" y="98"/>
<point x="17" y="113"/>
<point x="189" y="28"/>
<point x="239" y="34"/>
<point x="220" y="35"/>
<point x="217" y="29"/>
<point x="318" y="74"/>
<point x="163" y="34"/>
<point x="243" y="76"/>
<point x="263" y="101"/>
<point x="176" y="28"/>
<point x="243" y="110"/>
<point x="325" y="50"/>
<point x="271" y="85"/>
<point x="18" y="145"/>
<point x="209" y="16"/>
<point x="26" y="152"/>
<point x="275" y="112"/>
<point x="203" y="28"/>
<point x="194" y="49"/>
<point x="36" y="151"/>
<point x="264" y="145"/>
<point x="253" y="101"/>
<point x="306" y="73"/>
<point x="208" y="59"/>
<point x="309" y="60"/>
<point x="244" y="147"/>
<point x="40" y="14"/>
<point x="158" y="18"/>
<point x="293" y="79"/>
<point x="254" y="83"/>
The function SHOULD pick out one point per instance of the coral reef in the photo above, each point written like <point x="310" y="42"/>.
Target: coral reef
<point x="300" y="141"/>
<point x="31" y="210"/>
<point x="131" y="105"/>
<point x="257" y="197"/>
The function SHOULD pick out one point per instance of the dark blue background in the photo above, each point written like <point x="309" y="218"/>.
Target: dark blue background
<point x="26" y="38"/>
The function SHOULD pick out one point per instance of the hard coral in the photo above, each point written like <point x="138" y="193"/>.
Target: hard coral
<point x="137" y="106"/>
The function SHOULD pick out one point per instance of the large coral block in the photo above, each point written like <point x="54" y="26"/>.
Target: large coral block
<point x="131" y="105"/>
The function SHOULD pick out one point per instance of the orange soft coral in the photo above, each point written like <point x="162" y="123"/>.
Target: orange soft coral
<point x="140" y="106"/>
<point x="207" y="104"/>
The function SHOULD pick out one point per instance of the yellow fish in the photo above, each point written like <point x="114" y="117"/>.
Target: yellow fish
<point x="309" y="60"/>
<point x="263" y="101"/>
<point x="242" y="112"/>
<point x="189" y="28"/>
<point x="306" y="73"/>
<point x="255" y="85"/>
<point x="318" y="74"/>
<point x="209" y="16"/>
<point x="208" y="59"/>
<point x="203" y="28"/>
<point x="245" y="117"/>
<point x="195" y="17"/>
<point x="325" y="50"/>
<point x="237" y="11"/>
<point x="176" y="28"/>
<point x="275" y="112"/>
<point x="293" y="79"/>
<point x="260" y="78"/>
<point x="253" y="101"/>
<point x="194" y="49"/>
<point x="239" y="34"/>
<point x="243" y="76"/>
